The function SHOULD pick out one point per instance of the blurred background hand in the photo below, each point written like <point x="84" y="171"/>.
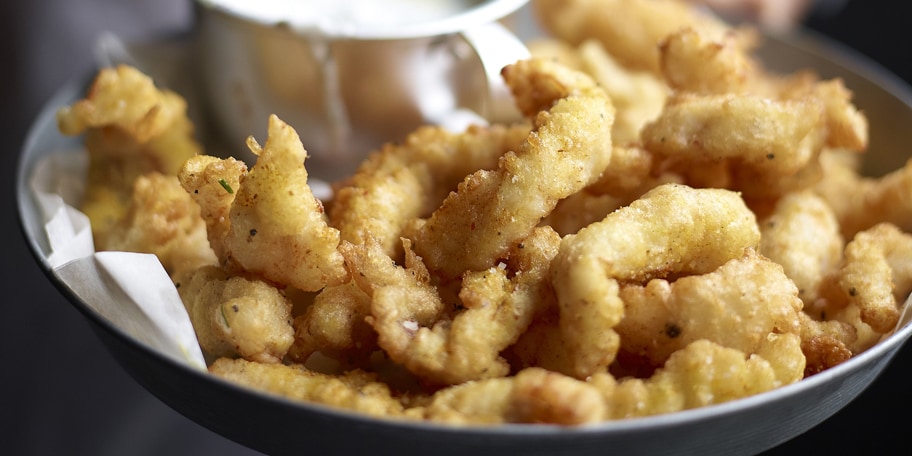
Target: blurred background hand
<point x="778" y="15"/>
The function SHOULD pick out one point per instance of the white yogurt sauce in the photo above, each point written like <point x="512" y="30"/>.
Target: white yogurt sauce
<point x="344" y="17"/>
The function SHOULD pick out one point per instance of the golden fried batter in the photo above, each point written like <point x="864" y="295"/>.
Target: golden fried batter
<point x="736" y="306"/>
<point x="825" y="343"/>
<point x="278" y="228"/>
<point x="533" y="395"/>
<point x="766" y="134"/>
<point x="631" y="30"/>
<point x="403" y="181"/>
<point x="861" y="202"/>
<point x="131" y="128"/>
<point x="162" y="219"/>
<point x="876" y="275"/>
<point x="497" y="310"/>
<point x="235" y="316"/>
<point x="568" y="149"/>
<point x="212" y="183"/>
<point x="693" y="62"/>
<point x="335" y="325"/>
<point x="802" y="235"/>
<point x="355" y="391"/>
<point x="705" y="373"/>
<point x="671" y="230"/>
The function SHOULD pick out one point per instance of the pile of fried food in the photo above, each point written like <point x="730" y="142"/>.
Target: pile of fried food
<point x="671" y="226"/>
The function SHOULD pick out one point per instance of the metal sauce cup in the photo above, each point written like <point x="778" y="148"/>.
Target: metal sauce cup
<point x="353" y="74"/>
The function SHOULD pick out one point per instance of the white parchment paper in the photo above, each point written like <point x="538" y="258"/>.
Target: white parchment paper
<point x="131" y="290"/>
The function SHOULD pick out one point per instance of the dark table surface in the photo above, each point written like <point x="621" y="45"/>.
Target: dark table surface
<point x="63" y="394"/>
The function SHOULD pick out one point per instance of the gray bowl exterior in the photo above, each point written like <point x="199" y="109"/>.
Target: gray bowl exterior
<point x="274" y="425"/>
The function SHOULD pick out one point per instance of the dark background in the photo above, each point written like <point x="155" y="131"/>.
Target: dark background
<point x="61" y="391"/>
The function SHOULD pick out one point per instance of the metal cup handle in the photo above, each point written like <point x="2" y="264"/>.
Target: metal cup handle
<point x="497" y="47"/>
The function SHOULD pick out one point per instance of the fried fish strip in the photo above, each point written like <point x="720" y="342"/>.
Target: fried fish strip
<point x="772" y="135"/>
<point x="533" y="395"/>
<point x="693" y="62"/>
<point x="846" y="126"/>
<point x="568" y="149"/>
<point x="278" y="228"/>
<point x="123" y="97"/>
<point x="401" y="298"/>
<point x="132" y="128"/>
<point x="638" y="96"/>
<point x="876" y="275"/>
<point x="861" y="202"/>
<point x="403" y="181"/>
<point x="355" y="390"/>
<point x="211" y="182"/>
<point x="736" y="306"/>
<point x="631" y="30"/>
<point x="825" y="343"/>
<point x="162" y="219"/>
<point x="802" y="234"/>
<point x="236" y="316"/>
<point x="334" y="324"/>
<point x="705" y="373"/>
<point x="628" y="178"/>
<point x="497" y="310"/>
<point x="671" y="230"/>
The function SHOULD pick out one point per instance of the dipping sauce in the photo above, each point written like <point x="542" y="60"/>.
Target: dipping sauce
<point x="345" y="18"/>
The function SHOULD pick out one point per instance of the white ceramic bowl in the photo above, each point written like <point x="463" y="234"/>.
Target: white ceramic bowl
<point x="279" y="426"/>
